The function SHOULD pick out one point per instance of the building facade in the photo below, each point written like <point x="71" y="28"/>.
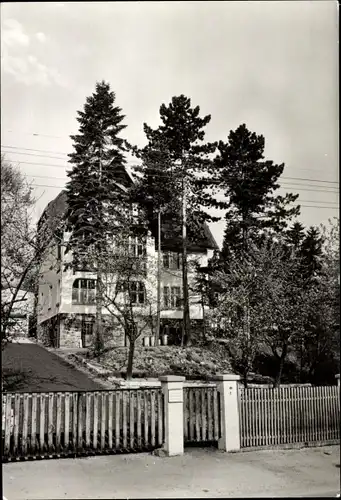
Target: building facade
<point x="66" y="300"/>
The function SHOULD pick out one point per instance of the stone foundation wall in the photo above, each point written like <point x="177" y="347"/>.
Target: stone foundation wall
<point x="42" y="335"/>
<point x="71" y="331"/>
<point x="48" y="332"/>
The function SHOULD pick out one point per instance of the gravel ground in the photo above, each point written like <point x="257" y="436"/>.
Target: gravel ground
<point x="199" y="473"/>
<point x="30" y="368"/>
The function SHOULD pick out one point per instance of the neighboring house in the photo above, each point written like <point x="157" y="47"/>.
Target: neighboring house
<point x="21" y="314"/>
<point x="66" y="297"/>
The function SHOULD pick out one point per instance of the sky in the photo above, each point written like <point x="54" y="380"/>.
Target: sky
<point x="271" y="65"/>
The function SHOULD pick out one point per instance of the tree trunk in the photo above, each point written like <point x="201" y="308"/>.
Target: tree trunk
<point x="130" y="357"/>
<point x="281" y="366"/>
<point x="245" y="374"/>
<point x="301" y="363"/>
<point x="158" y="320"/>
<point x="203" y="317"/>
<point x="98" y="344"/>
<point x="312" y="370"/>
<point x="6" y="316"/>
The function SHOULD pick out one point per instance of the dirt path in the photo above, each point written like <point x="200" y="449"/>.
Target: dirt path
<point x="29" y="367"/>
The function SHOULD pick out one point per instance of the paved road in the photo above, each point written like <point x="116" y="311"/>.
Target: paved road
<point x="200" y="473"/>
<point x="29" y="367"/>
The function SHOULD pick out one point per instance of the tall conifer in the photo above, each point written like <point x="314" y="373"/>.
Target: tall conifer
<point x="180" y="141"/>
<point x="249" y="182"/>
<point x="95" y="191"/>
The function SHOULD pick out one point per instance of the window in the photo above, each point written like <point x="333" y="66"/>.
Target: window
<point x="137" y="292"/>
<point x="84" y="291"/>
<point x="87" y="328"/>
<point x="172" y="297"/>
<point x="137" y="246"/>
<point x="171" y="260"/>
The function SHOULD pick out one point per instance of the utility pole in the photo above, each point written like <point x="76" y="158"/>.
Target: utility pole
<point x="157" y="332"/>
<point x="186" y="319"/>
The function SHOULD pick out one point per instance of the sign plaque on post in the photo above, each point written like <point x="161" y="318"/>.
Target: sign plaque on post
<point x="175" y="396"/>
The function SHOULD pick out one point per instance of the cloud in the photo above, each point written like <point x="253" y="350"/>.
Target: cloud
<point x="41" y="37"/>
<point x="25" y="67"/>
<point x="13" y="34"/>
<point x="29" y="70"/>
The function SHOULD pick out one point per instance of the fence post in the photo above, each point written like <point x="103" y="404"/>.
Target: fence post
<point x="172" y="390"/>
<point x="227" y="386"/>
<point x="338" y="379"/>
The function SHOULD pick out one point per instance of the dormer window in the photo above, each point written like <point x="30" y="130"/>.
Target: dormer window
<point x="172" y="260"/>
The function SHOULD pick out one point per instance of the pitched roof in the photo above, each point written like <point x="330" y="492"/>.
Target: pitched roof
<point x="170" y="234"/>
<point x="199" y="239"/>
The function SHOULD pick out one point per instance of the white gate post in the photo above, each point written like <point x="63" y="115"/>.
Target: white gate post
<point x="172" y="390"/>
<point x="227" y="386"/>
<point x="338" y="379"/>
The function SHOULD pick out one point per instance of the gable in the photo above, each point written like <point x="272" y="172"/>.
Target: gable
<point x="199" y="239"/>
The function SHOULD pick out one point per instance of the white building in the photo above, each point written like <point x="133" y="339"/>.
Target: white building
<point x="66" y="297"/>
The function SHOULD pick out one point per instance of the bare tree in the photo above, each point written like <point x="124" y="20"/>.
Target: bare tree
<point x="267" y="282"/>
<point x="129" y="287"/>
<point x="23" y="246"/>
<point x="322" y="340"/>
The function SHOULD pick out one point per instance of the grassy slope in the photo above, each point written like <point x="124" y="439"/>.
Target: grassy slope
<point x="196" y="362"/>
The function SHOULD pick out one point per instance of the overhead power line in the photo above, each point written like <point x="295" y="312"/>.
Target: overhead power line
<point x="36" y="134"/>
<point x="317" y="201"/>
<point x="46" y="177"/>
<point x="52" y="164"/>
<point x="47" y="186"/>
<point x="31" y="149"/>
<point x="308" y="179"/>
<point x="327" y="189"/>
<point x="301" y="204"/>
<point x="320" y="206"/>
<point x="322" y="190"/>
<point x="43" y="164"/>
<point x="34" y="154"/>
<point x="165" y="175"/>
<point x="133" y="161"/>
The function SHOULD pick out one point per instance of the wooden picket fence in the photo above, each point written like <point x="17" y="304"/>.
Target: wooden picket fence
<point x="72" y="423"/>
<point x="289" y="415"/>
<point x="201" y="414"/>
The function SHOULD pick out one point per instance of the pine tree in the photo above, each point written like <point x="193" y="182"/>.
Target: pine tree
<point x="180" y="137"/>
<point x="155" y="185"/>
<point x="312" y="252"/>
<point x="94" y="192"/>
<point x="248" y="182"/>
<point x="295" y="235"/>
